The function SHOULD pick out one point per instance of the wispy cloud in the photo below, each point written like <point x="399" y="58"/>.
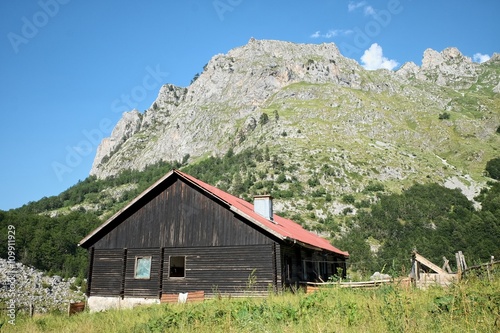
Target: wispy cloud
<point x="480" y="58"/>
<point x="331" y="33"/>
<point x="352" y="5"/>
<point x="369" y="11"/>
<point x="373" y="58"/>
<point x="317" y="34"/>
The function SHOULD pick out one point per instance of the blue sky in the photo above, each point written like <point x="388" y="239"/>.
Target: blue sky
<point x="69" y="68"/>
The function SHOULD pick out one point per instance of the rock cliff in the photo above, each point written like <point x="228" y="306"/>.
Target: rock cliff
<point x="326" y="103"/>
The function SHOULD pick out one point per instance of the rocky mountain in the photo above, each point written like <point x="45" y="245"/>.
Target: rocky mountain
<point x="317" y="110"/>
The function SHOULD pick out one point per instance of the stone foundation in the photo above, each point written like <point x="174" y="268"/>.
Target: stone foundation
<point x="98" y="303"/>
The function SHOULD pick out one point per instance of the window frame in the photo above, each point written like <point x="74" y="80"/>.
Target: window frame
<point x="170" y="267"/>
<point x="137" y="259"/>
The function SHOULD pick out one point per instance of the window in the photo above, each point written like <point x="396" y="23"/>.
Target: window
<point x="142" y="268"/>
<point x="177" y="267"/>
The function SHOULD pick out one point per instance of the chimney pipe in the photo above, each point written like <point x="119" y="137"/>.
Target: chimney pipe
<point x="263" y="205"/>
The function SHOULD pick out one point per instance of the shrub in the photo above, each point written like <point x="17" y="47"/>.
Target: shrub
<point x="264" y="118"/>
<point x="314" y="181"/>
<point x="281" y="178"/>
<point x="348" y="199"/>
<point x="444" y="115"/>
<point x="493" y="168"/>
<point x="374" y="187"/>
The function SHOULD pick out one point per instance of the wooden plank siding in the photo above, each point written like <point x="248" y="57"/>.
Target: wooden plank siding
<point x="107" y="272"/>
<point x="142" y="287"/>
<point x="225" y="270"/>
<point x="181" y="215"/>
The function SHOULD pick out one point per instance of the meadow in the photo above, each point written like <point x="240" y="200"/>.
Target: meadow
<point x="471" y="305"/>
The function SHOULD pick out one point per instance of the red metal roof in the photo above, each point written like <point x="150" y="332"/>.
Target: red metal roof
<point x="280" y="226"/>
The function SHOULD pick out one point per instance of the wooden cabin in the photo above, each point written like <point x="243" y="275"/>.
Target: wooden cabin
<point x="183" y="235"/>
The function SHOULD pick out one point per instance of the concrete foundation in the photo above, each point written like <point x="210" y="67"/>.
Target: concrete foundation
<point x="98" y="303"/>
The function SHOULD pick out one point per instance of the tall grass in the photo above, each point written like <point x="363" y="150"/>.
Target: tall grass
<point x="473" y="305"/>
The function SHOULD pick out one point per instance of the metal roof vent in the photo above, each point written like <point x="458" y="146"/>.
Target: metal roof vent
<point x="263" y="205"/>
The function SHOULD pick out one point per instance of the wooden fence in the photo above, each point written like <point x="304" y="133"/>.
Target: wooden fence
<point x="311" y="287"/>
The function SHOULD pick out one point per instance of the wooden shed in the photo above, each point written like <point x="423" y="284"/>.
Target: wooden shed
<point x="183" y="235"/>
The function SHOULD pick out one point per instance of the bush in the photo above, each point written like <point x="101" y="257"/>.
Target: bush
<point x="281" y="178"/>
<point x="348" y="199"/>
<point x="444" y="115"/>
<point x="493" y="168"/>
<point x="374" y="187"/>
<point x="313" y="181"/>
<point x="264" y="118"/>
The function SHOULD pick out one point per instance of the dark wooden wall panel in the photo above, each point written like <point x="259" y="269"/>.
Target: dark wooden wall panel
<point x="225" y="270"/>
<point x="107" y="272"/>
<point x="180" y="216"/>
<point x="142" y="287"/>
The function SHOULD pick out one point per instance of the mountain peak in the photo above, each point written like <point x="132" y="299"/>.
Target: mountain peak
<point x="310" y="93"/>
<point x="450" y="55"/>
<point x="448" y="68"/>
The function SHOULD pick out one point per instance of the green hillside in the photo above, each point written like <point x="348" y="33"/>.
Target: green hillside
<point x="381" y="162"/>
<point x="47" y="231"/>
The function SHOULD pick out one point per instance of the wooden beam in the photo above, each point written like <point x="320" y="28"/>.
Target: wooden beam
<point x="424" y="261"/>
<point x="446" y="265"/>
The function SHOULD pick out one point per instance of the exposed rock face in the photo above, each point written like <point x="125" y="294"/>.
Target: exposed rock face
<point x="326" y="103"/>
<point x="408" y="69"/>
<point x="231" y="87"/>
<point x="33" y="287"/>
<point x="449" y="67"/>
<point x="127" y="126"/>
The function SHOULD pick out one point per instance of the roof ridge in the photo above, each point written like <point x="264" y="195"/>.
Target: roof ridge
<point x="281" y="227"/>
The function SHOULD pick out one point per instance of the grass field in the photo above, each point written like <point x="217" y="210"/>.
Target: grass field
<point x="473" y="305"/>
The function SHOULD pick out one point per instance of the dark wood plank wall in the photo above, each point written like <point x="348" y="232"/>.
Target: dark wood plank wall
<point x="225" y="270"/>
<point x="107" y="271"/>
<point x="179" y="216"/>
<point x="142" y="287"/>
<point x="235" y="270"/>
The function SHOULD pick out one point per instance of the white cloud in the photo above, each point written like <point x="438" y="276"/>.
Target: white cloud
<point x="480" y="58"/>
<point x="373" y="58"/>
<point x="369" y="11"/>
<point x="331" y="33"/>
<point x="355" y="5"/>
